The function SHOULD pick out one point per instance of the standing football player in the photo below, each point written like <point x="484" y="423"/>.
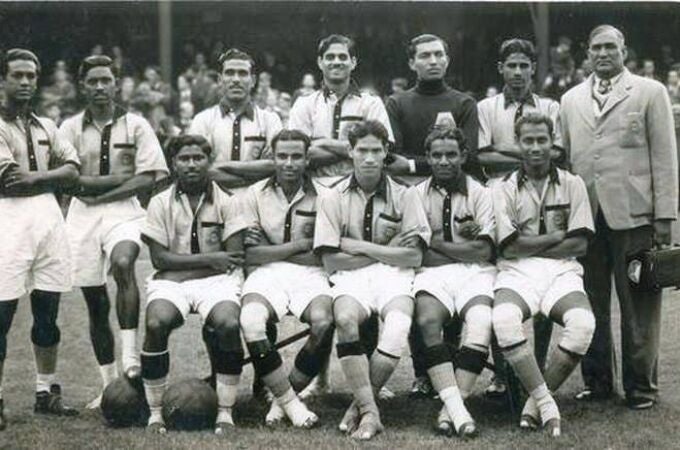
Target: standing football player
<point x="193" y="230"/>
<point x="370" y="231"/>
<point x="121" y="157"/>
<point x="543" y="222"/>
<point x="34" y="253"/>
<point x="288" y="277"/>
<point x="457" y="276"/>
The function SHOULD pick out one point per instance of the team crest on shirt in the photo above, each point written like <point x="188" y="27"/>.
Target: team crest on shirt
<point x="308" y="230"/>
<point x="556" y="218"/>
<point x="126" y="159"/>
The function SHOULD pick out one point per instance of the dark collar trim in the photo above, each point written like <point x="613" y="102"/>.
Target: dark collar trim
<point x="381" y="190"/>
<point x="118" y="112"/>
<point x="248" y="111"/>
<point x="508" y="99"/>
<point x="307" y="184"/>
<point x="353" y="89"/>
<point x="458" y="185"/>
<point x="522" y="177"/>
<point x="209" y="192"/>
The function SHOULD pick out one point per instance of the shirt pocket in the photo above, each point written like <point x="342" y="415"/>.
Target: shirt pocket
<point x="303" y="224"/>
<point x="254" y="147"/>
<point x="632" y="130"/>
<point x="211" y="236"/>
<point x="386" y="227"/>
<point x="556" y="217"/>
<point x="124" y="159"/>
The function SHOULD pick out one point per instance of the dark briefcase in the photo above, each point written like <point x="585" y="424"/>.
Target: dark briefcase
<point x="652" y="270"/>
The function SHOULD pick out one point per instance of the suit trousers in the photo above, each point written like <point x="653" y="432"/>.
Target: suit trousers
<point x="640" y="314"/>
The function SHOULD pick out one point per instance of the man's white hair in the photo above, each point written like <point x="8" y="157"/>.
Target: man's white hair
<point x="605" y="29"/>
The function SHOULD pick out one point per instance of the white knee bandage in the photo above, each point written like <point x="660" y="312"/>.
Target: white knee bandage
<point x="579" y="326"/>
<point x="254" y="322"/>
<point x="394" y="336"/>
<point x="478" y="326"/>
<point x="507" y="324"/>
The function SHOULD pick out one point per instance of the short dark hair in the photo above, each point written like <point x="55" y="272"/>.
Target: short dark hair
<point x="177" y="143"/>
<point x="96" y="61"/>
<point x="326" y="42"/>
<point x="533" y="119"/>
<point x="235" y="53"/>
<point x="440" y="133"/>
<point x="423" y="39"/>
<point x="366" y="128"/>
<point x="291" y="135"/>
<point x="16" y="54"/>
<point x="515" y="45"/>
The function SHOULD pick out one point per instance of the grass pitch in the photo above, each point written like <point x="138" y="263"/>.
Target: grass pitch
<point x="409" y="423"/>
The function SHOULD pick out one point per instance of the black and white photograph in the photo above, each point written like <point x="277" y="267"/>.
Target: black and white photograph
<point x="339" y="224"/>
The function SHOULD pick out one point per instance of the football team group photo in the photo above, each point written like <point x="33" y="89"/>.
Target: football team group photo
<point x="219" y="263"/>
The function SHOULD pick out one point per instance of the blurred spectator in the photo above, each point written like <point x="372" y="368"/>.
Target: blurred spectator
<point x="98" y="49"/>
<point x="307" y="86"/>
<point x="667" y="60"/>
<point x="562" y="66"/>
<point x="197" y="69"/>
<point x="121" y="62"/>
<point x="283" y="107"/>
<point x="61" y="91"/>
<point x="632" y="61"/>
<point x="167" y="130"/>
<point x="186" y="114"/>
<point x="649" y="69"/>
<point x="183" y="90"/>
<point x="51" y="110"/>
<point x="399" y="84"/>
<point x="491" y="91"/>
<point x="264" y="85"/>
<point x="272" y="101"/>
<point x="205" y="90"/>
<point x="126" y="93"/>
<point x="152" y="92"/>
<point x="672" y="81"/>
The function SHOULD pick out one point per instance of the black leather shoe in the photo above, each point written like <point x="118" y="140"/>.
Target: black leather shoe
<point x="51" y="403"/>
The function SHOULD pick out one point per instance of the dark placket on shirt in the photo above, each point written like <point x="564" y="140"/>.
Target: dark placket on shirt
<point x="368" y="220"/>
<point x="446" y="216"/>
<point x="337" y="114"/>
<point x="32" y="162"/>
<point x="104" y="151"/>
<point x="236" y="139"/>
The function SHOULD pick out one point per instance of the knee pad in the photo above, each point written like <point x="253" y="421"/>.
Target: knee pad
<point x="394" y="336"/>
<point x="478" y="326"/>
<point x="229" y="362"/>
<point x="507" y="324"/>
<point x="579" y="326"/>
<point x="45" y="335"/>
<point x="254" y="321"/>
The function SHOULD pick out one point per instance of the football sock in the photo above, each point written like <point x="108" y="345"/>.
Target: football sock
<point x="470" y="363"/>
<point x="109" y="372"/>
<point x="523" y="362"/>
<point x="43" y="382"/>
<point x="45" y="359"/>
<point x="455" y="406"/>
<point x="128" y="344"/>
<point x="382" y="366"/>
<point x="545" y="403"/>
<point x="356" y="369"/>
<point x="155" y="368"/>
<point x="227" y="390"/>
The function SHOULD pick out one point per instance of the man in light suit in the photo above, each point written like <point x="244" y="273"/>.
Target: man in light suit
<point x="618" y="131"/>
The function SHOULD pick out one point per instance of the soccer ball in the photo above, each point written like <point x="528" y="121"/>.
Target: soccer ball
<point x="123" y="403"/>
<point x="189" y="405"/>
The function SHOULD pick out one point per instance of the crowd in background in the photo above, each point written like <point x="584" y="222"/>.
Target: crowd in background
<point x="170" y="107"/>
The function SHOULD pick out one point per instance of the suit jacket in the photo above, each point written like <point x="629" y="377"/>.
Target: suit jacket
<point x="627" y="157"/>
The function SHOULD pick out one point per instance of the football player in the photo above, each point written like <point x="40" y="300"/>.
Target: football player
<point x="34" y="253"/>
<point x="457" y="276"/>
<point x="121" y="157"/>
<point x="543" y="222"/>
<point x="193" y="230"/>
<point x="288" y="277"/>
<point x="370" y="231"/>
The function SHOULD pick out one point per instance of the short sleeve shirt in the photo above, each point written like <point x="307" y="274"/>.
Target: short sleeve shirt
<point x="521" y="210"/>
<point x="127" y="145"/>
<point x="33" y="144"/>
<point x="497" y="116"/>
<point x="243" y="137"/>
<point x="449" y="207"/>
<point x="322" y="114"/>
<point x="171" y="222"/>
<point x="346" y="211"/>
<point x="265" y="205"/>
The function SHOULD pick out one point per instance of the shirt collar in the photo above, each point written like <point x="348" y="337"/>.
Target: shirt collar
<point x="248" y="111"/>
<point x="307" y="184"/>
<point x="522" y="177"/>
<point x="459" y="185"/>
<point x="353" y="89"/>
<point x="209" y="192"/>
<point x="380" y="191"/>
<point x="614" y="80"/>
<point x="10" y="116"/>
<point x="118" y="112"/>
<point x="508" y="99"/>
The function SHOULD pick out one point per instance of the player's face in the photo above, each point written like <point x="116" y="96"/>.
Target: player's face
<point x="191" y="165"/>
<point x="607" y="54"/>
<point x="517" y="70"/>
<point x="368" y="155"/>
<point x="21" y="81"/>
<point x="535" y="144"/>
<point x="445" y="159"/>
<point x="430" y="61"/>
<point x="336" y="64"/>
<point x="237" y="79"/>
<point x="99" y="86"/>
<point x="290" y="160"/>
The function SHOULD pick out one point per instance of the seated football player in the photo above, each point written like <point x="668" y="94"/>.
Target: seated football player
<point x="543" y="222"/>
<point x="370" y="231"/>
<point x="288" y="278"/>
<point x="457" y="276"/>
<point x="194" y="233"/>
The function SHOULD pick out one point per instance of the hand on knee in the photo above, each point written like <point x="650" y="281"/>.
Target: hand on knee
<point x="478" y="327"/>
<point x="253" y="319"/>
<point x="507" y="324"/>
<point x="394" y="336"/>
<point x="579" y="326"/>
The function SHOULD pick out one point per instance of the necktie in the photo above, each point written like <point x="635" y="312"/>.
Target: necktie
<point x="605" y="87"/>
